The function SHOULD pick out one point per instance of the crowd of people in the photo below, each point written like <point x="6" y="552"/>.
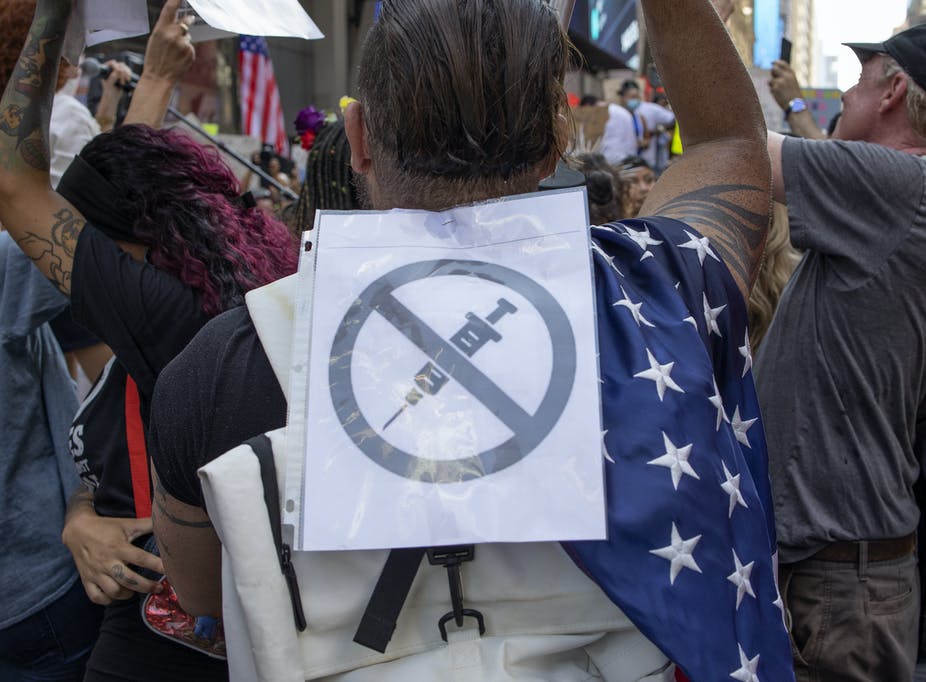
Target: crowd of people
<point x="133" y="360"/>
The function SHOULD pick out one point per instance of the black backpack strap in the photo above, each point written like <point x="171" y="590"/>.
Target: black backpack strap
<point x="392" y="588"/>
<point x="264" y="450"/>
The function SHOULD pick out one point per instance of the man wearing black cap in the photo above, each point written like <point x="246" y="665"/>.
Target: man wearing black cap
<point x="842" y="374"/>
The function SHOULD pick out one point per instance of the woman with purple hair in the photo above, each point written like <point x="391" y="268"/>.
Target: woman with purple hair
<point x="148" y="237"/>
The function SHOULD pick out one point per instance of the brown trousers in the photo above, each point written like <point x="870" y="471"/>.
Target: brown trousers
<point x="852" y="622"/>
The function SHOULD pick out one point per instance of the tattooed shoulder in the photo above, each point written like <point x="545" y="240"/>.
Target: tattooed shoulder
<point x="720" y="212"/>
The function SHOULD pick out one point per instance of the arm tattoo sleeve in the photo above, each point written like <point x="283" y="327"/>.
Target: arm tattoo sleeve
<point x="56" y="248"/>
<point x="26" y="105"/>
<point x="738" y="234"/>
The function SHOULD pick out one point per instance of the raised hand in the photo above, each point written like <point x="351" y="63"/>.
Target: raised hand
<point x="170" y="53"/>
<point x="119" y="76"/>
<point x="783" y="83"/>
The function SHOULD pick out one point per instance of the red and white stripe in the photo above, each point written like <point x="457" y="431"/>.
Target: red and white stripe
<point x="261" y="111"/>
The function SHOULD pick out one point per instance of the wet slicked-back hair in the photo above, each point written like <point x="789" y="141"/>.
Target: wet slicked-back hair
<point x="463" y="92"/>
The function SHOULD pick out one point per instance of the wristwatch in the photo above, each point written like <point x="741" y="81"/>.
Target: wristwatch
<point x="795" y="106"/>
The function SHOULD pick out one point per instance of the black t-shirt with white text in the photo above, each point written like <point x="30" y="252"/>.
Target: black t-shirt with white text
<point x="147" y="317"/>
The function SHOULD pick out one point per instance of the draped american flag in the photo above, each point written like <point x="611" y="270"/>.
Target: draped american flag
<point x="691" y="532"/>
<point x="261" y="112"/>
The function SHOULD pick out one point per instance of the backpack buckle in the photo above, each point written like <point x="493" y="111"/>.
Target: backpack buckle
<point x="452" y="559"/>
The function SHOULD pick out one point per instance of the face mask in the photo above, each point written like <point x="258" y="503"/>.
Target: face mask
<point x="632" y="104"/>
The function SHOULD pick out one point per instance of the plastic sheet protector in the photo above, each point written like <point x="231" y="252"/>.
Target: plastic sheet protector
<point x="445" y="383"/>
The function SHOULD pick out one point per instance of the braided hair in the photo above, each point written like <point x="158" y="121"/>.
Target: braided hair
<point x="329" y="180"/>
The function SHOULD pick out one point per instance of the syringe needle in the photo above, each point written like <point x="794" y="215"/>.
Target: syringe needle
<point x="395" y="416"/>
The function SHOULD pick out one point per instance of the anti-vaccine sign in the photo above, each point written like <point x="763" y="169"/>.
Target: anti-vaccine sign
<point x="451" y="379"/>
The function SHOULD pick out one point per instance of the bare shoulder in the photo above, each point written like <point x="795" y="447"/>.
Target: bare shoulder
<point x="723" y="190"/>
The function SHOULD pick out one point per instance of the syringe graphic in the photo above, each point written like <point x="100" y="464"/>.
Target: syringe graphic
<point x="472" y="336"/>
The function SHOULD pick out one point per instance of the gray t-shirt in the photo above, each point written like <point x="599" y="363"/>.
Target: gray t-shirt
<point x="842" y="372"/>
<point x="37" y="403"/>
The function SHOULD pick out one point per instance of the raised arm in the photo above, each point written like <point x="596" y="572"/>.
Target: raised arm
<point x="785" y="88"/>
<point x="721" y="185"/>
<point x="168" y="57"/>
<point x="44" y="224"/>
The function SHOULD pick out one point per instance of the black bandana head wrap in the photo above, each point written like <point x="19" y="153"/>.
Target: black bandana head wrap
<point x="98" y="201"/>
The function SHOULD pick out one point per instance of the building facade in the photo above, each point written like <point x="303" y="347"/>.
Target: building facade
<point x="799" y="27"/>
<point x="742" y="30"/>
<point x="916" y="13"/>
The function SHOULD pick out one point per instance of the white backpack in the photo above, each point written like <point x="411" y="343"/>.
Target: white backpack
<point x="544" y="619"/>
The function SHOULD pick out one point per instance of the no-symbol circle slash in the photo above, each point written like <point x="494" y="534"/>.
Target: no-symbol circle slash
<point x="529" y="429"/>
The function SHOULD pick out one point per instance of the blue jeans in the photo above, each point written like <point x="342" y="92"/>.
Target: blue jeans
<point x="52" y="645"/>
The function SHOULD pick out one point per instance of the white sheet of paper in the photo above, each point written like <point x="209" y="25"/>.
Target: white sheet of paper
<point x="284" y="18"/>
<point x="396" y="456"/>
<point x="98" y="21"/>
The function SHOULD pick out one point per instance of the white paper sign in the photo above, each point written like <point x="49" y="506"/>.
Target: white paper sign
<point x="452" y="383"/>
<point x="284" y="18"/>
<point x="98" y="21"/>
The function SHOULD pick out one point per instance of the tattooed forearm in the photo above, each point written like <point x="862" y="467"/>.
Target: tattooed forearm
<point x="28" y="78"/>
<point x="11" y="118"/>
<point x="66" y="229"/>
<point x="26" y="105"/>
<point x="54" y="252"/>
<point x="737" y="233"/>
<point x="35" y="154"/>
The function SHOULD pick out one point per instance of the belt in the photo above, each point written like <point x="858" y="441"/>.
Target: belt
<point x="878" y="550"/>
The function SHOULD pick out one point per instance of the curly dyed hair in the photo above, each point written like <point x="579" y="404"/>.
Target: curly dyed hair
<point x="189" y="216"/>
